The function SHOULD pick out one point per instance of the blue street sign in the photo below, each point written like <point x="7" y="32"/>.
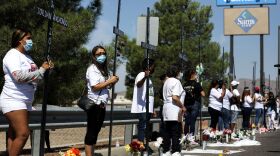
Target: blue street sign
<point x="245" y="2"/>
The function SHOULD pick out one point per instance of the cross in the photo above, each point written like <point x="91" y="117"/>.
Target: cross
<point x="51" y="18"/>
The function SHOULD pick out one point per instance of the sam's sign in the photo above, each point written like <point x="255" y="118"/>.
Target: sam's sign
<point x="245" y="2"/>
<point x="244" y="21"/>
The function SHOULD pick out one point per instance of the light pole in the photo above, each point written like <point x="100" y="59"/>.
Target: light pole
<point x="278" y="65"/>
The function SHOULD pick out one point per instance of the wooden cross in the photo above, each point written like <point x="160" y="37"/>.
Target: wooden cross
<point x="39" y="150"/>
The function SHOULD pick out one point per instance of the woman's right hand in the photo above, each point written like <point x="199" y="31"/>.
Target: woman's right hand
<point x="45" y="65"/>
<point x="114" y="79"/>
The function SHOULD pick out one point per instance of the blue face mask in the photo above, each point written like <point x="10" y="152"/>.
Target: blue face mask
<point x="28" y="46"/>
<point x="101" y="59"/>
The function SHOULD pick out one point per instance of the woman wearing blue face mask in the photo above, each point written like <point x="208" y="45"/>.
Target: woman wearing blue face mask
<point x="98" y="82"/>
<point x="21" y="78"/>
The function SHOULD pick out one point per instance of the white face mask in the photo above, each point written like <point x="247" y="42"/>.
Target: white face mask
<point x="180" y="76"/>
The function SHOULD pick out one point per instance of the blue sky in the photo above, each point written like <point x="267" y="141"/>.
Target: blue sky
<point x="246" y="48"/>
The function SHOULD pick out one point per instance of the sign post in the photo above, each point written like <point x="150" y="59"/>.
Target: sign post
<point x="118" y="33"/>
<point x="50" y="15"/>
<point x="144" y="40"/>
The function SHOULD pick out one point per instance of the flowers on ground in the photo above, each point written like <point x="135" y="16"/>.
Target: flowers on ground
<point x="71" y="152"/>
<point x="227" y="131"/>
<point x="135" y="146"/>
<point x="158" y="142"/>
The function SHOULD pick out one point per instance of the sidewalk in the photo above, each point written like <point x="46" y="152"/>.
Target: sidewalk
<point x="270" y="146"/>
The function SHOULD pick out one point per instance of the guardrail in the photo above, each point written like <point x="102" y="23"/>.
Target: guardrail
<point x="75" y="117"/>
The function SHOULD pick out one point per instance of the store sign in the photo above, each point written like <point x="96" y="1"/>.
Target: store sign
<point x="246" y="2"/>
<point x="244" y="21"/>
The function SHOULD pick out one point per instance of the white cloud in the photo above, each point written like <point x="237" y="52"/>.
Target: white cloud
<point x="103" y="34"/>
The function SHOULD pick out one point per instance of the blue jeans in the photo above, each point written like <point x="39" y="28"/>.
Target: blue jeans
<point x="142" y="125"/>
<point x="226" y="117"/>
<point x="259" y="114"/>
<point x="220" y="123"/>
<point x="190" y="117"/>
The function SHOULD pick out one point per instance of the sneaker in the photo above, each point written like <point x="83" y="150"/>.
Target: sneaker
<point x="183" y="139"/>
<point x="166" y="153"/>
<point x="176" y="154"/>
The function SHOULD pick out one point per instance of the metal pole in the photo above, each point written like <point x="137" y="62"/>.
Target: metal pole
<point x="261" y="63"/>
<point x="278" y="86"/>
<point x="46" y="79"/>
<point x="182" y="37"/>
<point x="113" y="87"/>
<point x="254" y="77"/>
<point x="147" y="79"/>
<point x="269" y="82"/>
<point x="231" y="56"/>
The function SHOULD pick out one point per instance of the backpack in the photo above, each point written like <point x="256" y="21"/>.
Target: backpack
<point x="189" y="88"/>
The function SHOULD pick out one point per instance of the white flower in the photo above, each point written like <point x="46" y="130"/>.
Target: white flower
<point x="158" y="142"/>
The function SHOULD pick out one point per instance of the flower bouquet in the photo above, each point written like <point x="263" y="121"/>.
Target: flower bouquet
<point x="158" y="144"/>
<point x="227" y="133"/>
<point x="205" y="137"/>
<point x="71" y="152"/>
<point x="135" y="147"/>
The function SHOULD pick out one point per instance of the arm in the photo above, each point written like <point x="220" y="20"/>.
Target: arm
<point x="141" y="82"/>
<point x="25" y="76"/>
<point x="178" y="103"/>
<point x="105" y="84"/>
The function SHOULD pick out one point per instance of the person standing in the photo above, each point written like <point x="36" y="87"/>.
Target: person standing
<point x="271" y="111"/>
<point x="215" y="103"/>
<point x="246" y="108"/>
<point x="21" y="78"/>
<point x="235" y="104"/>
<point x="139" y="97"/>
<point x="98" y="84"/>
<point x="259" y="107"/>
<point x="173" y="109"/>
<point x="192" y="101"/>
<point x="225" y="106"/>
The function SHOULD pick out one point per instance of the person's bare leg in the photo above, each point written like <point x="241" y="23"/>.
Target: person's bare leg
<point x="10" y="139"/>
<point x="89" y="150"/>
<point x="18" y="121"/>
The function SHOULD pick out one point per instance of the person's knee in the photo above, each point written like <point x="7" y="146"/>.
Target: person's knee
<point x="23" y="134"/>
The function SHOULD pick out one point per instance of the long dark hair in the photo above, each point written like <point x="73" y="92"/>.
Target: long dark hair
<point x="18" y="35"/>
<point x="246" y="92"/>
<point x="213" y="84"/>
<point x="101" y="67"/>
<point x="172" y="71"/>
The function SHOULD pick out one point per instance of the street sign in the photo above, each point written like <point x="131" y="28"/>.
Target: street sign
<point x="47" y="14"/>
<point x="245" y="2"/>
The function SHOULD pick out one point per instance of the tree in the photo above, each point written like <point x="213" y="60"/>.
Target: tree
<point x="197" y="44"/>
<point x="70" y="58"/>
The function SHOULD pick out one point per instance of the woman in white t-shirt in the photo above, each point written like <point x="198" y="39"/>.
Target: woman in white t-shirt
<point x="247" y="107"/>
<point x="21" y="78"/>
<point x="215" y="103"/>
<point x="258" y="99"/>
<point x="98" y="82"/>
<point x="234" y="106"/>
<point x="173" y="109"/>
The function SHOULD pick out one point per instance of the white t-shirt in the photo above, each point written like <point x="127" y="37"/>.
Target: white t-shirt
<point x="234" y="106"/>
<point x="14" y="60"/>
<point x="228" y="95"/>
<point x="247" y="101"/>
<point x="139" y="96"/>
<point x="214" y="99"/>
<point x="94" y="77"/>
<point x="172" y="86"/>
<point x="258" y="104"/>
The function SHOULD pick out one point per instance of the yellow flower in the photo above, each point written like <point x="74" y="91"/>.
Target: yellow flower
<point x="127" y="148"/>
